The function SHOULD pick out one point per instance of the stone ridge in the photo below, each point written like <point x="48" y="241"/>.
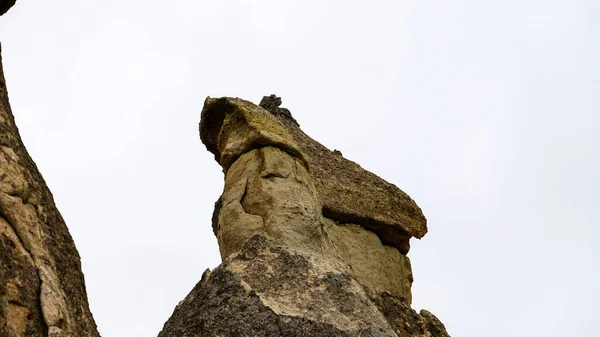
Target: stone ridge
<point x="42" y="292"/>
<point x="348" y="193"/>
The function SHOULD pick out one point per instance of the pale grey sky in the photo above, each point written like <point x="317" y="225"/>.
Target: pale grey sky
<point x="486" y="112"/>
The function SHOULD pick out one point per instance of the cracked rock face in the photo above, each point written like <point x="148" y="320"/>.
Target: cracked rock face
<point x="269" y="191"/>
<point x="42" y="291"/>
<point x="266" y="290"/>
<point x="303" y="254"/>
<point x="348" y="193"/>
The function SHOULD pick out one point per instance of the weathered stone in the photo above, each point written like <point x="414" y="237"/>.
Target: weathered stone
<point x="352" y="194"/>
<point x="269" y="192"/>
<point x="405" y="321"/>
<point x="272" y="104"/>
<point x="313" y="245"/>
<point x="42" y="291"/>
<point x="215" y="215"/>
<point x="348" y="193"/>
<point x="378" y="266"/>
<point x="287" y="269"/>
<point x="266" y="290"/>
<point x="231" y="127"/>
<point x="20" y="312"/>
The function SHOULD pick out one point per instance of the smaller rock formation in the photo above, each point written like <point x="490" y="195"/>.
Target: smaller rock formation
<point x="272" y="104"/>
<point x="312" y="244"/>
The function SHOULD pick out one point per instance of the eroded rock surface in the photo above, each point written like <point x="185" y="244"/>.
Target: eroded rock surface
<point x="269" y="191"/>
<point x="266" y="290"/>
<point x="303" y="254"/>
<point x="42" y="290"/>
<point x="348" y="193"/>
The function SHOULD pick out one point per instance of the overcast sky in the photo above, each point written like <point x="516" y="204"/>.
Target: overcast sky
<point x="486" y="112"/>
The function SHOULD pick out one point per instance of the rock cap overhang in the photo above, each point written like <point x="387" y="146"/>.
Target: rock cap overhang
<point x="229" y="127"/>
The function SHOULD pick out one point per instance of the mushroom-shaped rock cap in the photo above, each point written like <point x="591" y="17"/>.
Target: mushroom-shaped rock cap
<point x="230" y="127"/>
<point x="348" y="193"/>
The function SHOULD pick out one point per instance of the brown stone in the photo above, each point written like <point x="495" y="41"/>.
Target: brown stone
<point x="291" y="266"/>
<point x="269" y="192"/>
<point x="230" y="127"/>
<point x="42" y="290"/>
<point x="266" y="290"/>
<point x="348" y="193"/>
<point x="312" y="244"/>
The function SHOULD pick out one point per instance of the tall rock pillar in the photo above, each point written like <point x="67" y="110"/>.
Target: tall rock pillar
<point x="312" y="244"/>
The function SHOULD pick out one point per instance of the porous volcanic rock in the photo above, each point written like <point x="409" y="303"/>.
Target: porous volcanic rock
<point x="348" y="193"/>
<point x="42" y="290"/>
<point x="231" y="127"/>
<point x="292" y="266"/>
<point x="266" y="290"/>
<point x="269" y="192"/>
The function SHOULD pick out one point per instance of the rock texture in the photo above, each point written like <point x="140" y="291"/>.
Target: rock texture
<point x="312" y="244"/>
<point x="42" y="290"/>
<point x="272" y="291"/>
<point x="348" y="193"/>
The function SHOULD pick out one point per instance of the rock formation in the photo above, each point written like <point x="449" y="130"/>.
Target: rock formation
<point x="312" y="244"/>
<point x="42" y="290"/>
